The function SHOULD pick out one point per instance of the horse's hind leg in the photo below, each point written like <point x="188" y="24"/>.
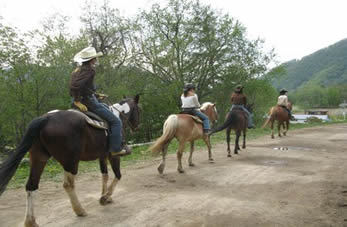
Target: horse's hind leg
<point x="190" y="159"/>
<point x="38" y="161"/>
<point x="108" y="190"/>
<point x="244" y="139"/>
<point x="179" y="157"/>
<point x="161" y="166"/>
<point x="279" y="128"/>
<point x="228" y="131"/>
<point x="285" y="127"/>
<point x="237" y="138"/>
<point x="272" y="129"/>
<point x="69" y="186"/>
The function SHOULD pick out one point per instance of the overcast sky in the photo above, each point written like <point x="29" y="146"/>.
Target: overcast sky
<point x="295" y="28"/>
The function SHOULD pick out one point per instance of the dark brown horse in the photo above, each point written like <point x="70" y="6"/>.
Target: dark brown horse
<point x="281" y="115"/>
<point x="68" y="138"/>
<point x="185" y="129"/>
<point x="238" y="121"/>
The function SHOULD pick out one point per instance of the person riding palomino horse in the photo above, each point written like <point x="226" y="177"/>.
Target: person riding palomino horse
<point x="82" y="89"/>
<point x="190" y="103"/>
<point x="186" y="128"/>
<point x="239" y="100"/>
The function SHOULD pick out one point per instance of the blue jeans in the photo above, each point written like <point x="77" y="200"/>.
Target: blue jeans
<point x="250" y="120"/>
<point x="203" y="117"/>
<point x="115" y="134"/>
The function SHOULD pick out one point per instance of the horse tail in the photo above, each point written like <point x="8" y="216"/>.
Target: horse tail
<point x="229" y="121"/>
<point x="271" y="116"/>
<point x="10" y="165"/>
<point x="169" y="130"/>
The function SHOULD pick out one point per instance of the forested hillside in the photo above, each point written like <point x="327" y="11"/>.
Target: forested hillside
<point x="317" y="80"/>
<point x="325" y="67"/>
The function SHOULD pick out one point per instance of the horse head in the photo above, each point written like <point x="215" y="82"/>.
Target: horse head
<point x="129" y="111"/>
<point x="210" y="110"/>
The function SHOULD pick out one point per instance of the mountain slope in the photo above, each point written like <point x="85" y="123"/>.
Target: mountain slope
<point x="325" y="67"/>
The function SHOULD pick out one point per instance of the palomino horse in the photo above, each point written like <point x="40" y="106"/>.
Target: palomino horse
<point x="238" y="121"/>
<point x="68" y="138"/>
<point x="281" y="115"/>
<point x="185" y="129"/>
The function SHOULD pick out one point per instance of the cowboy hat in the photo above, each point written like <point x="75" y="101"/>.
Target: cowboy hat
<point x="86" y="54"/>
<point x="239" y="87"/>
<point x="283" y="90"/>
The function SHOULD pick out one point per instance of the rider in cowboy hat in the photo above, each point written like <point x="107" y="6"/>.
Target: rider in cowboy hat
<point x="238" y="99"/>
<point x="190" y="102"/>
<point x="283" y="102"/>
<point x="82" y="89"/>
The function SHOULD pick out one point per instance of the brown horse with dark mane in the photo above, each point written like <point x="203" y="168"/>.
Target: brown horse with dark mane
<point x="238" y="121"/>
<point x="185" y="129"/>
<point x="67" y="137"/>
<point x="281" y="115"/>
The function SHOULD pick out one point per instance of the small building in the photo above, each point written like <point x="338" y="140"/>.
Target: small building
<point x="316" y="112"/>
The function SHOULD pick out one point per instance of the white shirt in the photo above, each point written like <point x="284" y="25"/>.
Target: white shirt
<point x="190" y="101"/>
<point x="282" y="100"/>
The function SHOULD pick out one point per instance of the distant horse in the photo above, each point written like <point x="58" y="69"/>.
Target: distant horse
<point x="68" y="138"/>
<point x="238" y="121"/>
<point x="281" y="115"/>
<point x="185" y="129"/>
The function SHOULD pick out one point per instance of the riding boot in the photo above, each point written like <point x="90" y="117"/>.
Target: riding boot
<point x="207" y="132"/>
<point x="126" y="150"/>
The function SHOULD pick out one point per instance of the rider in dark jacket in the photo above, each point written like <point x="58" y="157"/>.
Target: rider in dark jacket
<point x="82" y="89"/>
<point x="239" y="100"/>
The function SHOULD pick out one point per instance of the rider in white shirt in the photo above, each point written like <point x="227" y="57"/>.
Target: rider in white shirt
<point x="190" y="102"/>
<point x="283" y="101"/>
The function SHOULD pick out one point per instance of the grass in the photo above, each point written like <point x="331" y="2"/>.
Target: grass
<point x="54" y="172"/>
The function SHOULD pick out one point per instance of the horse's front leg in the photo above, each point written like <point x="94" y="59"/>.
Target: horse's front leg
<point x="69" y="186"/>
<point x="228" y="131"/>
<point x="115" y="164"/>
<point x="272" y="129"/>
<point x="190" y="159"/>
<point x="179" y="157"/>
<point x="209" y="147"/>
<point x="104" y="172"/>
<point x="286" y="127"/>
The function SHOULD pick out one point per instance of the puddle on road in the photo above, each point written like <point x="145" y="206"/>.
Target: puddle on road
<point x="274" y="162"/>
<point x="287" y="148"/>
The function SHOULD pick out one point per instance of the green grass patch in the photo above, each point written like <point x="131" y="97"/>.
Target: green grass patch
<point x="54" y="171"/>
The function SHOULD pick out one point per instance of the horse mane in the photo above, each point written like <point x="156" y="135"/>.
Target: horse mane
<point x="205" y="105"/>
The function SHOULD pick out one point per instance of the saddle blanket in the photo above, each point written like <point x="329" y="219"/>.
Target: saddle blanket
<point x="91" y="118"/>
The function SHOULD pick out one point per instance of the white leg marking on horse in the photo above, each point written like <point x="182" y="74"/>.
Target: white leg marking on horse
<point x="104" y="183"/>
<point x="69" y="186"/>
<point x="106" y="197"/>
<point x="29" y="213"/>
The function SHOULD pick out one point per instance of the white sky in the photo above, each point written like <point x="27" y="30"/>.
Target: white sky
<point x="295" y="28"/>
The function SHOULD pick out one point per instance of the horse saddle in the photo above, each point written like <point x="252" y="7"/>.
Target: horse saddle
<point x="195" y="118"/>
<point x="92" y="119"/>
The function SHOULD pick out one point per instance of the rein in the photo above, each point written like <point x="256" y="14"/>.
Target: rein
<point x="122" y="115"/>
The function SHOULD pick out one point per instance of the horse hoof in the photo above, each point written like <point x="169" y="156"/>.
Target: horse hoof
<point x="161" y="169"/>
<point x="81" y="213"/>
<point x="211" y="159"/>
<point x="191" y="164"/>
<point x="243" y="147"/>
<point x="104" y="200"/>
<point x="31" y="224"/>
<point x="229" y="155"/>
<point x="272" y="137"/>
<point x="180" y="170"/>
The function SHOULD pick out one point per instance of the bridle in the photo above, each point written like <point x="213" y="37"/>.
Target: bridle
<point x="127" y="121"/>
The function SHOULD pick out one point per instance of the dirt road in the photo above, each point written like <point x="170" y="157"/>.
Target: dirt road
<point x="305" y="185"/>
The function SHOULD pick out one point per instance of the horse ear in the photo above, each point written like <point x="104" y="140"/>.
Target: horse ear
<point x="214" y="104"/>
<point x="137" y="98"/>
<point x="124" y="97"/>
